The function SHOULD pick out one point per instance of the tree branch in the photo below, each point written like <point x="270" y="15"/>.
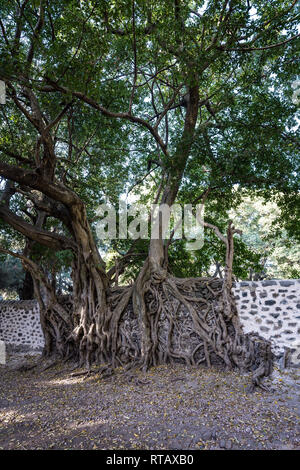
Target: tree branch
<point x="249" y="49"/>
<point x="108" y="113"/>
<point x="56" y="191"/>
<point x="52" y="240"/>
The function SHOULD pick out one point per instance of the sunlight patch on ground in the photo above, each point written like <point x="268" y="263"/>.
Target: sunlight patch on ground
<point x="9" y="416"/>
<point x="83" y="425"/>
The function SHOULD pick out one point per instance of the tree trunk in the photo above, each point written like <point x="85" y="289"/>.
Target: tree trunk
<point x="160" y="318"/>
<point x="27" y="290"/>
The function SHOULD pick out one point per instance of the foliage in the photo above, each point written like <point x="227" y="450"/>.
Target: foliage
<point x="246" y="133"/>
<point x="278" y="252"/>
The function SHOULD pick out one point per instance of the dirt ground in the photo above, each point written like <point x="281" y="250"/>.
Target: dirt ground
<point x="170" y="407"/>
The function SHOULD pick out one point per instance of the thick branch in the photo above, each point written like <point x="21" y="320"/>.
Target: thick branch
<point x="112" y="114"/>
<point x="52" y="240"/>
<point x="56" y="191"/>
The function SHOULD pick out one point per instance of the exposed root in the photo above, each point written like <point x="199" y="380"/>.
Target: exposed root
<point x="160" y="319"/>
<point x="40" y="365"/>
<point x="175" y="320"/>
<point x="136" y="380"/>
<point x="49" y="365"/>
<point x="26" y="367"/>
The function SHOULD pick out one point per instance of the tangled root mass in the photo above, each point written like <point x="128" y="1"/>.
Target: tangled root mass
<point x="184" y="320"/>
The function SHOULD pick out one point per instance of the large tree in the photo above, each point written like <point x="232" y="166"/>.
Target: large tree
<point x="100" y="95"/>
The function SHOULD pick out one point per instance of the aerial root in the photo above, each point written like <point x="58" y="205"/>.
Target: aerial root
<point x="166" y="320"/>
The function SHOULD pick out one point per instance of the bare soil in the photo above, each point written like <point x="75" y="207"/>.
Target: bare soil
<point x="169" y="407"/>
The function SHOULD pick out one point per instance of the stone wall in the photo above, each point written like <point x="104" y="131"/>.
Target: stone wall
<point x="20" y="324"/>
<point x="270" y="308"/>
